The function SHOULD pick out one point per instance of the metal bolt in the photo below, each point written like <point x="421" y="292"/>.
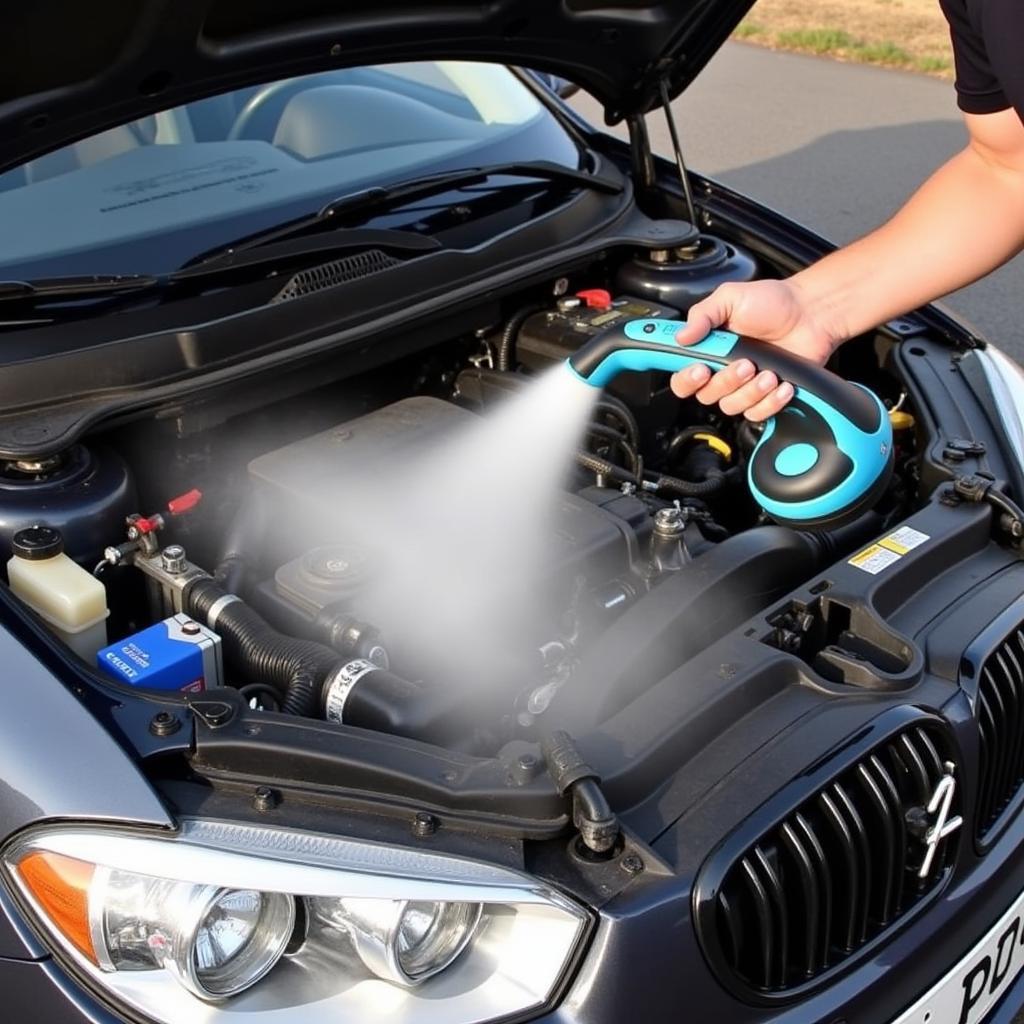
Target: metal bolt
<point x="424" y="824"/>
<point x="631" y="864"/>
<point x="191" y="628"/>
<point x="264" y="799"/>
<point x="669" y="521"/>
<point x="524" y="768"/>
<point x="164" y="723"/>
<point x="172" y="558"/>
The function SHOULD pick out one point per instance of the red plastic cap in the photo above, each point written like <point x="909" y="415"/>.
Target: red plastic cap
<point x="596" y="298"/>
<point x="184" y="502"/>
<point x="148" y="524"/>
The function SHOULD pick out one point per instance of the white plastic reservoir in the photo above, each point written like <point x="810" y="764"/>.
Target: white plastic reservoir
<point x="70" y="600"/>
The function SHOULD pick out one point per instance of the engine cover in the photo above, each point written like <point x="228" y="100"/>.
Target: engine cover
<point x="296" y="487"/>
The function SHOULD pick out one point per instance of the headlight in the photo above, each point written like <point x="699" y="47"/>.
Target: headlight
<point x="186" y="927"/>
<point x="405" y="942"/>
<point x="1006" y="380"/>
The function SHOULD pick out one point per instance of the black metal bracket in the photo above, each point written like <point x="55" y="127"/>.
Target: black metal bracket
<point x="978" y="487"/>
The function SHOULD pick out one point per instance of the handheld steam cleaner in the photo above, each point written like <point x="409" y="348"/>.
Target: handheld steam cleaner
<point x="824" y="459"/>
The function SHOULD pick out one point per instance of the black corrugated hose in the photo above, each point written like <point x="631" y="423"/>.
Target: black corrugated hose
<point x="295" y="668"/>
<point x="507" y="342"/>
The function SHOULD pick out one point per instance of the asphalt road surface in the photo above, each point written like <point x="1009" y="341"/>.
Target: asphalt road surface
<point x="835" y="146"/>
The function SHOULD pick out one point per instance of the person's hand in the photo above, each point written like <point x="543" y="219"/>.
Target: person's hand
<point x="772" y="311"/>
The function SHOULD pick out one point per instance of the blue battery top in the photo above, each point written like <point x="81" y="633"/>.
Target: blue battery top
<point x="176" y="654"/>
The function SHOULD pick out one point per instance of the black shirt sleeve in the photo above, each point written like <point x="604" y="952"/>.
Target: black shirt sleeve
<point x="988" y="53"/>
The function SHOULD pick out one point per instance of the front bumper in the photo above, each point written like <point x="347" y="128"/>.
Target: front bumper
<point x="643" y="964"/>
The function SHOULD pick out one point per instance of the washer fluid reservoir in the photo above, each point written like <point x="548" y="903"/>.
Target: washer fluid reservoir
<point x="71" y="601"/>
<point x="687" y="272"/>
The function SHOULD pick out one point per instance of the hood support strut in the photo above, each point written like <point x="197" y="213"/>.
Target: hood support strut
<point x="684" y="177"/>
<point x="643" y="159"/>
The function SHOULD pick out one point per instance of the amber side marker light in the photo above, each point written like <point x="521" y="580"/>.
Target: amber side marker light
<point x="60" y="885"/>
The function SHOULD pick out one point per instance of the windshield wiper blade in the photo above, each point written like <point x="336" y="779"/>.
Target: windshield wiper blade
<point x="67" y="289"/>
<point x="56" y="290"/>
<point x="406" y="191"/>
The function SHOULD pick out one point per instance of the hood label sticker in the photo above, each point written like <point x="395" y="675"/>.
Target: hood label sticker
<point x="905" y="539"/>
<point x="890" y="549"/>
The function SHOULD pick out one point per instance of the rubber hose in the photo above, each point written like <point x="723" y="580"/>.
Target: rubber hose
<point x="507" y="343"/>
<point x="602" y="467"/>
<point x="683" y="438"/>
<point x="260" y="691"/>
<point x="295" y="668"/>
<point x="713" y="482"/>
<point x="609" y="405"/>
<point x="599" y="430"/>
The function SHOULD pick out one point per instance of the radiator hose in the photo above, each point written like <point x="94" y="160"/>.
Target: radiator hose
<point x="309" y="676"/>
<point x="295" y="668"/>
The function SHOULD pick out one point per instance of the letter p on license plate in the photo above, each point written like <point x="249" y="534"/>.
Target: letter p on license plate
<point x="975" y="984"/>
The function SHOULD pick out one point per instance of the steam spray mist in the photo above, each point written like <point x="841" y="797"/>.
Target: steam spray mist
<point x="458" y="534"/>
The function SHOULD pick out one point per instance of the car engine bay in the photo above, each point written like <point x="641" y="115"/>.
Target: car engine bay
<point x="251" y="562"/>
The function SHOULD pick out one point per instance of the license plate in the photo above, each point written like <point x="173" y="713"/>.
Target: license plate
<point x="974" y="985"/>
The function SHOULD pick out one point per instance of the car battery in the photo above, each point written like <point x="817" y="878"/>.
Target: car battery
<point x="553" y="335"/>
<point x="176" y="654"/>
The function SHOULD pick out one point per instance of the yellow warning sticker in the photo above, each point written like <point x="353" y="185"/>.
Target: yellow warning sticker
<point x="889" y="549"/>
<point x="874" y="559"/>
<point x="905" y="539"/>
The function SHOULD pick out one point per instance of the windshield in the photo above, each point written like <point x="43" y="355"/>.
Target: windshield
<point x="144" y="197"/>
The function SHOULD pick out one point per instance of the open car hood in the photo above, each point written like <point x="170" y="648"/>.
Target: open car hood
<point x="69" y="69"/>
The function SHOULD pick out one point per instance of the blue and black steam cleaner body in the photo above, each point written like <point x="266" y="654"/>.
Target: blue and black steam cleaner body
<point x="822" y="461"/>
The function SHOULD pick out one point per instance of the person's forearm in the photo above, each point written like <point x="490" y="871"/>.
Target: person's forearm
<point x="967" y="219"/>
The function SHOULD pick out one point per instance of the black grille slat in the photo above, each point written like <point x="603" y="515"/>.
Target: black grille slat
<point x="1016" y="683"/>
<point x="863" y="852"/>
<point x="909" y="753"/>
<point x="845" y="844"/>
<point x="820" y="861"/>
<point x="779" y="912"/>
<point x="999" y="712"/>
<point x="987" y="732"/>
<point x="835" y="873"/>
<point x="1016" y="658"/>
<point x="890" y="793"/>
<point x="887" y="833"/>
<point x="763" y="908"/>
<point x="1000" y="780"/>
<point x="811" y="897"/>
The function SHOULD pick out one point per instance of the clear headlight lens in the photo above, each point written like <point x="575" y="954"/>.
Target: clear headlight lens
<point x="1006" y="378"/>
<point x="215" y="941"/>
<point x="185" y="928"/>
<point x="405" y="942"/>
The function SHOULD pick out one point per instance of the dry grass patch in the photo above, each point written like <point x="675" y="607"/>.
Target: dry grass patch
<point x="910" y="34"/>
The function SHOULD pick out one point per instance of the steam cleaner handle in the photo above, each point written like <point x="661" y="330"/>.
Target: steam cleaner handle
<point x="823" y="459"/>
